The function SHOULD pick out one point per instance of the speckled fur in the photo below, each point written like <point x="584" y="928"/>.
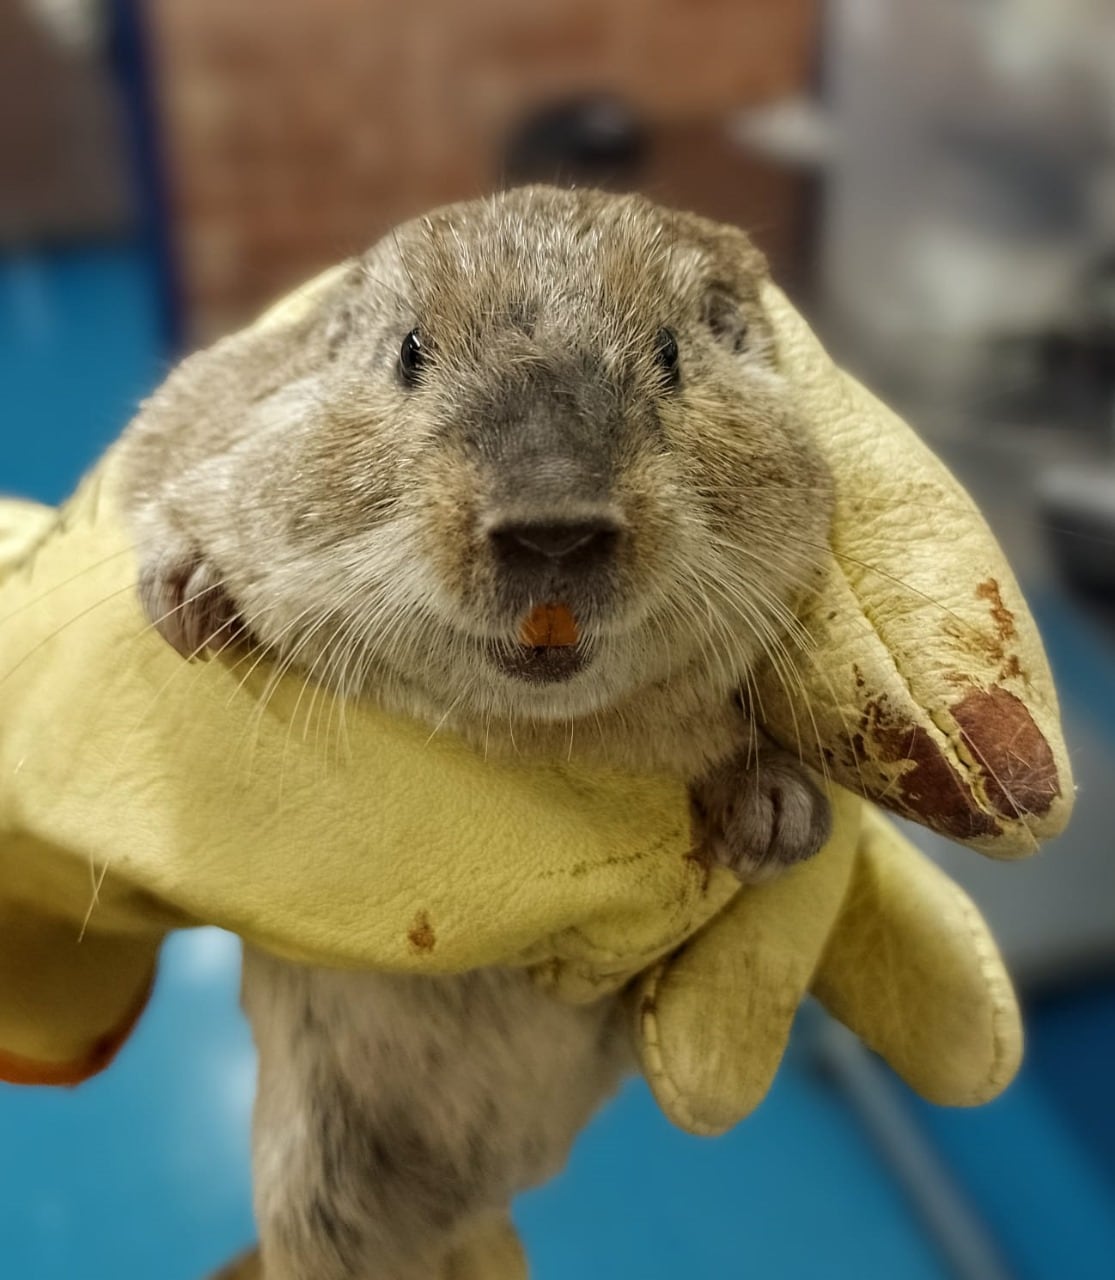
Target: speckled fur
<point x="287" y="484"/>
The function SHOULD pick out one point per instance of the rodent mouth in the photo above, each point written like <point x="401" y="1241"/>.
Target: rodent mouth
<point x="540" y="664"/>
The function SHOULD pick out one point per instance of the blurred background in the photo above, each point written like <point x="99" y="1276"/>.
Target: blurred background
<point x="935" y="185"/>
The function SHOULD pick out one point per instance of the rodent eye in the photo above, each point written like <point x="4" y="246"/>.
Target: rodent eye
<point x="412" y="358"/>
<point x="666" y="355"/>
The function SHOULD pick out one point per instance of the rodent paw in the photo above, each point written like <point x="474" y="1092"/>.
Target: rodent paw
<point x="759" y="813"/>
<point x="185" y="601"/>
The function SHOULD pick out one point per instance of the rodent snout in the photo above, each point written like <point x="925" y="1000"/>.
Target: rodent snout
<point x="570" y="546"/>
<point x="570" y="553"/>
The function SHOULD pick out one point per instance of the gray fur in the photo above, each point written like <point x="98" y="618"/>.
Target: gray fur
<point x="293" y="485"/>
<point x="393" y="1112"/>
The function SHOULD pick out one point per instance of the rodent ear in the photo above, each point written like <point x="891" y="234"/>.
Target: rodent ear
<point x="725" y="317"/>
<point x="339" y="324"/>
<point x="730" y="251"/>
<point x="296" y="307"/>
<point x="732" y="256"/>
<point x="734" y="270"/>
<point x="334" y="295"/>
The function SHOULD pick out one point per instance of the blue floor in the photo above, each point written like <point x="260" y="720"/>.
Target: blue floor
<point x="143" y="1172"/>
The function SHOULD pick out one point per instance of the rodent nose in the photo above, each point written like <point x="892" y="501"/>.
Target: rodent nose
<point x="568" y="544"/>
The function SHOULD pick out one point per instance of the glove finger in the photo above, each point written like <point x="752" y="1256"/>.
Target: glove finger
<point x="712" y="1021"/>
<point x="928" y="687"/>
<point x="912" y="969"/>
<point x="67" y="1002"/>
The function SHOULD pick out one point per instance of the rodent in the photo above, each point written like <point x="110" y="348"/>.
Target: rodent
<point x="546" y="398"/>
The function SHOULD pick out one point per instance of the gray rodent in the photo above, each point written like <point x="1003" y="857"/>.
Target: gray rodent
<point x="544" y="397"/>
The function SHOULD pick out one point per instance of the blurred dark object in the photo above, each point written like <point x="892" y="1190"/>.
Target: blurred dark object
<point x="592" y="141"/>
<point x="295" y="141"/>
<point x="1077" y="505"/>
<point x="1081" y="351"/>
<point x="61" y="155"/>
<point x="129" y="49"/>
<point x="1062" y="371"/>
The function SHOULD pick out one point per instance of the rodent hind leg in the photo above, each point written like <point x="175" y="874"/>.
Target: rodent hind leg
<point x="374" y="1154"/>
<point x="760" y="812"/>
<point x="341" y="1196"/>
<point x="397" y="1115"/>
<point x="491" y="1251"/>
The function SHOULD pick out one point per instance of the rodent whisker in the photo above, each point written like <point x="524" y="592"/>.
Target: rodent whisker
<point x="57" y="631"/>
<point x="754" y="614"/>
<point x="227" y="626"/>
<point x="465" y="691"/>
<point x="716" y="631"/>
<point x="763" y="486"/>
<point x="259" y="653"/>
<point x="656" y="622"/>
<point x="882" y="573"/>
<point x="835" y="704"/>
<point x="791" y="569"/>
<point x="287" y="661"/>
<point x="751" y="613"/>
<point x="97" y="876"/>
<point x="334" y="682"/>
<point x="325" y="654"/>
<point x="272" y="649"/>
<point x="347" y="675"/>
<point x="26" y="564"/>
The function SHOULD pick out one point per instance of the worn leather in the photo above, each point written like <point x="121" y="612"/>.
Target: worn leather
<point x="928" y="688"/>
<point x="879" y="934"/>
<point x="139" y="793"/>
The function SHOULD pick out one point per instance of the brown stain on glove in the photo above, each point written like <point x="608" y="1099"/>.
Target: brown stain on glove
<point x="930" y="789"/>
<point x="1017" y="761"/>
<point x="1001" y="615"/>
<point x="1005" y="631"/>
<point x="421" y="933"/>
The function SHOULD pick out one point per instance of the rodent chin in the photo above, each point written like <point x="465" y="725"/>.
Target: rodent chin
<point x="540" y="664"/>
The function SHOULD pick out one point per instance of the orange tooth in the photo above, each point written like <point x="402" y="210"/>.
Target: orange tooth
<point x="549" y="625"/>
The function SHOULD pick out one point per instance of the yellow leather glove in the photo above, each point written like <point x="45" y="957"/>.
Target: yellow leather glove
<point x="883" y="937"/>
<point x="927" y="687"/>
<point x="930" y="693"/>
<point x="139" y="793"/>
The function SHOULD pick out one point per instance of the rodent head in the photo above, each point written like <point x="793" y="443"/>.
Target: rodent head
<point x="544" y="398"/>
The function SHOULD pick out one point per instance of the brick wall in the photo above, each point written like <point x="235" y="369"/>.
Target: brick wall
<point x="297" y="130"/>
